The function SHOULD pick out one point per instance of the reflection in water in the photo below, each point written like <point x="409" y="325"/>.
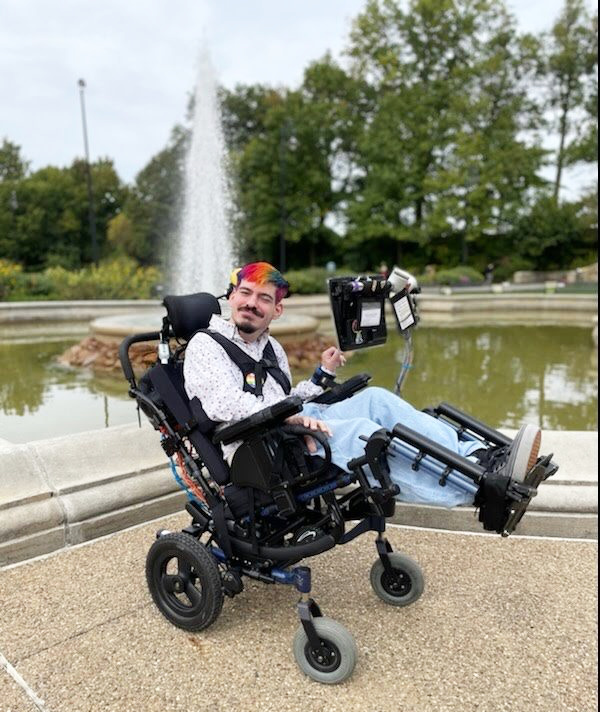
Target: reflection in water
<point x="25" y="376"/>
<point x="40" y="399"/>
<point x="503" y="375"/>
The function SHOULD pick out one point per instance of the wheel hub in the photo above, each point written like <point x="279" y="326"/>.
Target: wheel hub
<point x="396" y="583"/>
<point x="325" y="658"/>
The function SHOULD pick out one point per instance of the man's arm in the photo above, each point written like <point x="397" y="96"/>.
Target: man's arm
<point x="304" y="389"/>
<point x="331" y="359"/>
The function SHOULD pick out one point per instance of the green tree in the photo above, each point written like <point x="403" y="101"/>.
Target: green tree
<point x="492" y="170"/>
<point x="13" y="168"/>
<point x="12" y="165"/>
<point x="123" y="238"/>
<point x="571" y="71"/>
<point x="154" y="201"/>
<point x="44" y="215"/>
<point x="294" y="169"/>
<point x="442" y="160"/>
<point x="109" y="197"/>
<point x="244" y="111"/>
<point x="555" y="235"/>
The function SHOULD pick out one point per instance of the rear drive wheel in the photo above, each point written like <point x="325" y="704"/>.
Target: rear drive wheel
<point x="334" y="660"/>
<point x="403" y="585"/>
<point x="184" y="581"/>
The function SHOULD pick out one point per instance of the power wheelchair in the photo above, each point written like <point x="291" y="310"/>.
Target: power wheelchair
<point x="275" y="505"/>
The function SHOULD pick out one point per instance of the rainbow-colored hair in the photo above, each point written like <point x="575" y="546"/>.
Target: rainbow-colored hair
<point x="264" y="273"/>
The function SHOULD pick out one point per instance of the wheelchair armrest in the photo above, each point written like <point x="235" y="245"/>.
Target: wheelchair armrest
<point x="263" y="420"/>
<point x="317" y="435"/>
<point x="341" y="391"/>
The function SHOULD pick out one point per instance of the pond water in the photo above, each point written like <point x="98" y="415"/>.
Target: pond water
<point x="503" y="375"/>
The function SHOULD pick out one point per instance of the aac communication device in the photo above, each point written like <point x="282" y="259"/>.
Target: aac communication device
<point x="357" y="304"/>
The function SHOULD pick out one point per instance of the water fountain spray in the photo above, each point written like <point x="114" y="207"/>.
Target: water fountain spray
<point x="204" y="255"/>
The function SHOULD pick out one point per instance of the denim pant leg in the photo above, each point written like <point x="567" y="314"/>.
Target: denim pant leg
<point x="375" y="408"/>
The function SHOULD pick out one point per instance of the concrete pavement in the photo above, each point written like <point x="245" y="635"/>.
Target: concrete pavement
<point x="502" y="625"/>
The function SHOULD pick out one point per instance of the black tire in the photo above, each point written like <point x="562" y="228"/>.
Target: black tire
<point x="404" y="586"/>
<point x="333" y="663"/>
<point x="184" y="581"/>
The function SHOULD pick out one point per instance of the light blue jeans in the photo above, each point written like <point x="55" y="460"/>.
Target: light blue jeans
<point x="375" y="408"/>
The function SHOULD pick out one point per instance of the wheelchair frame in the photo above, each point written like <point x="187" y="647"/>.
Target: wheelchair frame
<point x="238" y="550"/>
<point x="306" y="516"/>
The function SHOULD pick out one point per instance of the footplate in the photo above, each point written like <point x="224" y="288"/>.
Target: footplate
<point x="524" y="492"/>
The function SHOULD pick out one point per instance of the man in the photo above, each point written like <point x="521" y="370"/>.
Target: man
<point x="231" y="392"/>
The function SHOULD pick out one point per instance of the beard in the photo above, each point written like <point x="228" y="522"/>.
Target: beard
<point x="246" y="328"/>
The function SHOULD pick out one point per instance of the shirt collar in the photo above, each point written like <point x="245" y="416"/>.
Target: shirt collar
<point x="230" y="330"/>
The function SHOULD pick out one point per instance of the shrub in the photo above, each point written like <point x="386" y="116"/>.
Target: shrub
<point x="456" y="276"/>
<point x="35" y="285"/>
<point x="506" y="267"/>
<point x="120" y="278"/>
<point x="313" y="280"/>
<point x="10" y="277"/>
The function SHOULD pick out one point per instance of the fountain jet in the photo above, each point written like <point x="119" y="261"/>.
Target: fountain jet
<point x="204" y="256"/>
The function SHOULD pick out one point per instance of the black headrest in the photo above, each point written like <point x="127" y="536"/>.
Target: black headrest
<point x="190" y="312"/>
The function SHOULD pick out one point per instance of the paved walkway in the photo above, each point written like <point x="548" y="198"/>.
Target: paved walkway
<point x="503" y="625"/>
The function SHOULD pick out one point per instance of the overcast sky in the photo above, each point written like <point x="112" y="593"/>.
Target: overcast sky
<point x="138" y="60"/>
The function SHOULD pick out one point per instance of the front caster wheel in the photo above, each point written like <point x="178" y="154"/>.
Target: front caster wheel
<point x="335" y="658"/>
<point x="184" y="581"/>
<point x="403" y="585"/>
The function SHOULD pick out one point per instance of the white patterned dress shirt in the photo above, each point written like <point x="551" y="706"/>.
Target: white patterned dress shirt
<point x="212" y="377"/>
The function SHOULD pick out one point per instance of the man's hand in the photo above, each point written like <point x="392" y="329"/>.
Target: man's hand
<point x="311" y="424"/>
<point x="331" y="358"/>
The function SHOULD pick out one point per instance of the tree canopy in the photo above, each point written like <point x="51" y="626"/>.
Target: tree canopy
<point x="425" y="143"/>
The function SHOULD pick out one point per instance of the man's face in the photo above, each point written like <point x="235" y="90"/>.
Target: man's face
<point x="253" y="307"/>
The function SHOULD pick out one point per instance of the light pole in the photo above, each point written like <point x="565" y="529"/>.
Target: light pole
<point x="88" y="172"/>
<point x="284" y="137"/>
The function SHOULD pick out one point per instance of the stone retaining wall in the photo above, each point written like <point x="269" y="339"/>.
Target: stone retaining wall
<point x="467" y="309"/>
<point x="589" y="273"/>
<point x="433" y="307"/>
<point x="82" y="310"/>
<point x="63" y="491"/>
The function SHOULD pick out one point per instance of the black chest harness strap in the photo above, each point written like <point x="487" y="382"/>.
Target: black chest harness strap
<point x="254" y="373"/>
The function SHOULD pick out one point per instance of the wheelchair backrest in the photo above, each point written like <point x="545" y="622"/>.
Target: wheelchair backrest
<point x="163" y="383"/>
<point x="189" y="313"/>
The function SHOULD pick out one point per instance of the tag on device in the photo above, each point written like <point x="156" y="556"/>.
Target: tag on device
<point x="403" y="310"/>
<point x="370" y="314"/>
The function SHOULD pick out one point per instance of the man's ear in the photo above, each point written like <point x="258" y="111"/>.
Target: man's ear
<point x="278" y="310"/>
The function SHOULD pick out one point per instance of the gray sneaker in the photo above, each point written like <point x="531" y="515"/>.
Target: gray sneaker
<point x="523" y="452"/>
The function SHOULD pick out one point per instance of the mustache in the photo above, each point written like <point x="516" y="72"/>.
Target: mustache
<point x="252" y="310"/>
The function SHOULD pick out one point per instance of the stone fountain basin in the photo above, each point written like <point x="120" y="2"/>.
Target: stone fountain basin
<point x="289" y="327"/>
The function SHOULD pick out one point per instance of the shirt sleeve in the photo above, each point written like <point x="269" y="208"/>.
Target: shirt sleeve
<point x="304" y="389"/>
<point x="210" y="375"/>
